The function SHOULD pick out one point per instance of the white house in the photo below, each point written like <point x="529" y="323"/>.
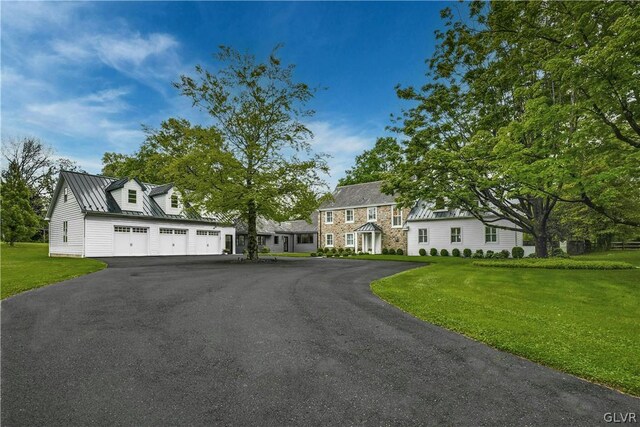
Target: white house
<point x="428" y="228"/>
<point x="97" y="216"/>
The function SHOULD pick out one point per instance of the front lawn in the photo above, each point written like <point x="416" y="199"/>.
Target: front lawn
<point x="584" y="322"/>
<point x="27" y="266"/>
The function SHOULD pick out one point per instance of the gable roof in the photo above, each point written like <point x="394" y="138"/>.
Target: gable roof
<point x="160" y="189"/>
<point x="121" y="182"/>
<point x="369" y="226"/>
<point x="356" y="195"/>
<point x="269" y="227"/>
<point x="93" y="194"/>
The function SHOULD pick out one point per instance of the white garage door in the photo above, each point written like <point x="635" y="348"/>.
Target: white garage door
<point x="173" y="241"/>
<point x="208" y="242"/>
<point x="130" y="241"/>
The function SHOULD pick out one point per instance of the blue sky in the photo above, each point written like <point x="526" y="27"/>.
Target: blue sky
<point x="85" y="77"/>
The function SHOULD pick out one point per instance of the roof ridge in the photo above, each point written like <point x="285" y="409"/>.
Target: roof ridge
<point x="360" y="183"/>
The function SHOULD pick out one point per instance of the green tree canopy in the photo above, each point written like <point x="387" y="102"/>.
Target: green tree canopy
<point x="507" y="128"/>
<point x="255" y="159"/>
<point x="18" y="219"/>
<point x="374" y="164"/>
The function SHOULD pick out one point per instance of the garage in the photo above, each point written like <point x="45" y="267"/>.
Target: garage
<point x="130" y="241"/>
<point x="173" y="241"/>
<point x="207" y="242"/>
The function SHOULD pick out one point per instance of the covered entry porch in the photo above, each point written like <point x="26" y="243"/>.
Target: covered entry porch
<point x="368" y="238"/>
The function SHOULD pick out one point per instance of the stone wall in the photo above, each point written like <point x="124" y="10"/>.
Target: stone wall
<point x="392" y="238"/>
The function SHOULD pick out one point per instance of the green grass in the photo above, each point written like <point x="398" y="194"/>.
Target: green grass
<point x="584" y="322"/>
<point x="27" y="266"/>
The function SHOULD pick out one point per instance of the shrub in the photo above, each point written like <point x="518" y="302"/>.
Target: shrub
<point x="480" y="252"/>
<point x="265" y="250"/>
<point x="327" y="250"/>
<point x="466" y="252"/>
<point x="555" y="263"/>
<point x="444" y="252"/>
<point x="422" y="252"/>
<point x="489" y="254"/>
<point x="399" y="252"/>
<point x="433" y="252"/>
<point x="329" y="254"/>
<point x="312" y="254"/>
<point x="532" y="256"/>
<point x="385" y="251"/>
<point x="477" y="254"/>
<point x="346" y="254"/>
<point x="392" y="251"/>
<point x="348" y="250"/>
<point x="360" y="253"/>
<point x="505" y="253"/>
<point x="340" y="250"/>
<point x="334" y="251"/>
<point x="500" y="255"/>
<point x="517" y="252"/>
<point x="455" y="252"/>
<point x="558" y="253"/>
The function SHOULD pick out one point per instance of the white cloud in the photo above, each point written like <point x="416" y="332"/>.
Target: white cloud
<point x="342" y="143"/>
<point x="96" y="116"/>
<point x="30" y="16"/>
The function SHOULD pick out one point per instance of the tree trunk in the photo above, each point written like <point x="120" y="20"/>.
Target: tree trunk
<point x="252" y="230"/>
<point x="541" y="245"/>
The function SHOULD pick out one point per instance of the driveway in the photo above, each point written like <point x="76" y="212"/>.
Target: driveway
<point x="199" y="340"/>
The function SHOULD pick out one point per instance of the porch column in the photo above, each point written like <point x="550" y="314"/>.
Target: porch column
<point x="355" y="242"/>
<point x="373" y="242"/>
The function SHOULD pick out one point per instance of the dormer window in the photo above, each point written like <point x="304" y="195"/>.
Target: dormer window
<point x="174" y="201"/>
<point x="65" y="194"/>
<point x="133" y="196"/>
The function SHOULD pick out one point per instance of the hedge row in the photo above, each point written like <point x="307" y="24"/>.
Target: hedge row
<point x="560" y="264"/>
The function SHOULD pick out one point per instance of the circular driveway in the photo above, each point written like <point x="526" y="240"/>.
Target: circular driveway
<point x="201" y="341"/>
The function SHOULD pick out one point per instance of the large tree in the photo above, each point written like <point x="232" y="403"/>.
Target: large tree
<point x="37" y="166"/>
<point x="18" y="220"/>
<point x="502" y="132"/>
<point x="255" y="158"/>
<point x="374" y="164"/>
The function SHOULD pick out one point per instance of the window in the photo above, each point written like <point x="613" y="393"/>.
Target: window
<point x="423" y="235"/>
<point x="305" y="238"/>
<point x="139" y="230"/>
<point x="276" y="240"/>
<point x="207" y="233"/>
<point x="133" y="196"/>
<point x="348" y="215"/>
<point x="328" y="239"/>
<point x="65" y="193"/>
<point x="179" y="231"/>
<point x="328" y="217"/>
<point x="262" y="240"/>
<point x="240" y="240"/>
<point x="349" y="240"/>
<point x="120" y="229"/>
<point x="65" y="229"/>
<point x="456" y="235"/>
<point x="490" y="234"/>
<point x="174" y="200"/>
<point x="372" y="214"/>
<point x="396" y="217"/>
<point x="166" y="231"/>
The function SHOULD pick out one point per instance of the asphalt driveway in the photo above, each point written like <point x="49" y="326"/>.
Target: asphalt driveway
<point x="197" y="340"/>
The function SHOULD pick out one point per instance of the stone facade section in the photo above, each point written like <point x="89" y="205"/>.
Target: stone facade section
<point x="392" y="237"/>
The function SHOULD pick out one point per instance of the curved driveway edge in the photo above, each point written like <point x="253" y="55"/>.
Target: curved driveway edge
<point x="199" y="340"/>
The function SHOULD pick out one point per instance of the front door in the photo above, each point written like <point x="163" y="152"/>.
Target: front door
<point x="228" y="243"/>
<point x="285" y="243"/>
<point x="367" y="242"/>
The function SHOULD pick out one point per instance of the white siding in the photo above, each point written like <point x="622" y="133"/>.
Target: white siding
<point x="100" y="235"/>
<point x="164" y="201"/>
<point x="473" y="236"/>
<point x="121" y="196"/>
<point x="66" y="211"/>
